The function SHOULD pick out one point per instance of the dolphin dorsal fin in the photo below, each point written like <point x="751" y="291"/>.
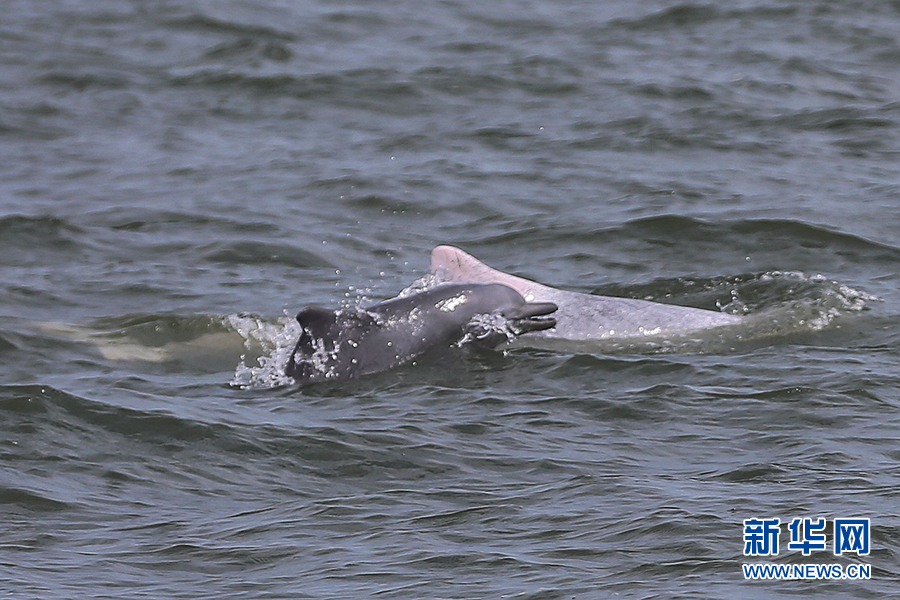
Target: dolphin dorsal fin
<point x="316" y="320"/>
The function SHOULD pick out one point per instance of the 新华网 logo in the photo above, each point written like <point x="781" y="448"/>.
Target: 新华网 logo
<point x="807" y="535"/>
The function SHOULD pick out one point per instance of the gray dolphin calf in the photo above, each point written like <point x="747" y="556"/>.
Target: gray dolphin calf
<point x="343" y="344"/>
<point x="584" y="317"/>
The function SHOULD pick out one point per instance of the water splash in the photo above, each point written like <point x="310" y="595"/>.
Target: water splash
<point x="794" y="299"/>
<point x="482" y="327"/>
<point x="422" y="284"/>
<point x="271" y="343"/>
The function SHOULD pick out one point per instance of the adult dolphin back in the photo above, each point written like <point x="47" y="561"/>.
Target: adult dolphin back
<point x="584" y="317"/>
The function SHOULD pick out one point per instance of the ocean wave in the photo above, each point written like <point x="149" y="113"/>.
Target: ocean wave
<point x="37" y="240"/>
<point x="47" y="424"/>
<point x="33" y="412"/>
<point x="34" y="230"/>
<point x="773" y="240"/>
<point x="204" y="343"/>
<point x="12" y="497"/>
<point x="251" y="252"/>
<point x="204" y="23"/>
<point x="378" y="89"/>
<point x="678" y="16"/>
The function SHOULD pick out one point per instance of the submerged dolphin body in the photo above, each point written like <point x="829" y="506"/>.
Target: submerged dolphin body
<point x="584" y="317"/>
<point x="345" y="344"/>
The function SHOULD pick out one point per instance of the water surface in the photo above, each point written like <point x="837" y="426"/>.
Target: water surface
<point x="177" y="179"/>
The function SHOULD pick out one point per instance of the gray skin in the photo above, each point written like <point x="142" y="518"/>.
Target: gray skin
<point x="345" y="344"/>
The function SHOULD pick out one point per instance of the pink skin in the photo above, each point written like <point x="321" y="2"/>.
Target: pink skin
<point x="584" y="317"/>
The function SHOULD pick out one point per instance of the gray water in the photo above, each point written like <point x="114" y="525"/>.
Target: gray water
<point x="177" y="179"/>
